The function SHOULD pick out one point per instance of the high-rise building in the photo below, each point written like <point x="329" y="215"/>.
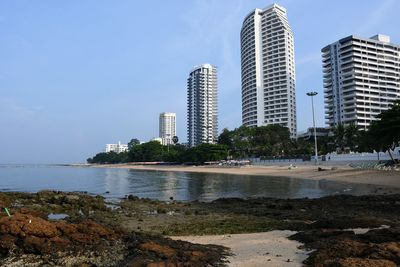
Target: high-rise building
<point x="361" y="79"/>
<point x="202" y="105"/>
<point x="167" y="127"/>
<point x="268" y="70"/>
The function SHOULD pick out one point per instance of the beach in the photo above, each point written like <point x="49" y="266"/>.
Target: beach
<point x="338" y="173"/>
<point x="274" y="248"/>
<point x="260" y="249"/>
<point x="50" y="227"/>
<point x="225" y="232"/>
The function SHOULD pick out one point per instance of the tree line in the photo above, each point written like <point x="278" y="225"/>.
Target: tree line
<point x="268" y="142"/>
<point x="153" y="151"/>
<point x="381" y="135"/>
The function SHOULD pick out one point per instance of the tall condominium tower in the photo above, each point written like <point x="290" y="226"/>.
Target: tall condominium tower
<point x="361" y="79"/>
<point x="167" y="127"/>
<point x="268" y="70"/>
<point x="202" y="105"/>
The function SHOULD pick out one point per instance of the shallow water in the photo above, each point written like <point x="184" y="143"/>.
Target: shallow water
<point x="117" y="183"/>
<point x="57" y="216"/>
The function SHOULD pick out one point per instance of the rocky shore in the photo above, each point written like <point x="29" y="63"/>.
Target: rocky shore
<point x="90" y="231"/>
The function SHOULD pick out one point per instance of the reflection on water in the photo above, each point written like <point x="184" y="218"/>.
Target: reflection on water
<point x="163" y="185"/>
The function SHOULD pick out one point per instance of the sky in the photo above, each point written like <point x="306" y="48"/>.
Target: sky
<point x="75" y="75"/>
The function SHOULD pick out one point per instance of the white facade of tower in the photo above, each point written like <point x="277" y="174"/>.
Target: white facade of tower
<point x="167" y="127"/>
<point x="361" y="79"/>
<point x="202" y="105"/>
<point x="268" y="69"/>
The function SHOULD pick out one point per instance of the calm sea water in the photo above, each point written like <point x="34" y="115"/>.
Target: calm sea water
<point x="117" y="183"/>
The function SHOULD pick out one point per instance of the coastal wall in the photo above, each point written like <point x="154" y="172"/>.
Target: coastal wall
<point x="334" y="158"/>
<point x="258" y="161"/>
<point x="375" y="156"/>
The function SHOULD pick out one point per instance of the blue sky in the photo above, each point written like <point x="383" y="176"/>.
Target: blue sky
<point x="75" y="75"/>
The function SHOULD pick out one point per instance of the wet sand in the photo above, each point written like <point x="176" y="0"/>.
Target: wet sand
<point x="255" y="250"/>
<point x="341" y="173"/>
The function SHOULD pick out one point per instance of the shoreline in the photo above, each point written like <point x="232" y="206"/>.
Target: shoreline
<point x="235" y="232"/>
<point x="340" y="173"/>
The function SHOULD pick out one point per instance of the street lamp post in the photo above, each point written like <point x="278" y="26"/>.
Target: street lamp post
<point x="312" y="94"/>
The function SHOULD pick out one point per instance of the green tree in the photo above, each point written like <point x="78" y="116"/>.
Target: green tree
<point x="206" y="152"/>
<point x="242" y="141"/>
<point x="270" y="140"/>
<point x="326" y="144"/>
<point x="225" y="138"/>
<point x="351" y="135"/>
<point x="385" y="132"/>
<point x="132" y="143"/>
<point x="339" y="135"/>
<point x="150" y="151"/>
<point x="366" y="142"/>
<point x="302" y="148"/>
<point x="107" y="158"/>
<point x="267" y="141"/>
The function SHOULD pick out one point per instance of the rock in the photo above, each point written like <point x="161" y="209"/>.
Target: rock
<point x="359" y="262"/>
<point x="379" y="247"/>
<point x="71" y="198"/>
<point x="38" y="227"/>
<point x="159" y="249"/>
<point x="132" y="197"/>
<point x="39" y="236"/>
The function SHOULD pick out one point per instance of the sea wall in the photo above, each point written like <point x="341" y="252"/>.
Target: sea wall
<point x="375" y="156"/>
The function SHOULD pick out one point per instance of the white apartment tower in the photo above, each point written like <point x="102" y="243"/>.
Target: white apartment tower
<point x="361" y="78"/>
<point x="268" y="69"/>
<point x="202" y="105"/>
<point x="167" y="127"/>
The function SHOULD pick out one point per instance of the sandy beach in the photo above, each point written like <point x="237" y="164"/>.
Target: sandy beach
<point x="255" y="250"/>
<point x="274" y="248"/>
<point x="340" y="173"/>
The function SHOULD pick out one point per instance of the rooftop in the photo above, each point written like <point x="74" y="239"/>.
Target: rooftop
<point x="205" y="66"/>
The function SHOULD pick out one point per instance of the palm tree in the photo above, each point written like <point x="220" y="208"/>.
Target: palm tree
<point x="351" y="134"/>
<point x="339" y="133"/>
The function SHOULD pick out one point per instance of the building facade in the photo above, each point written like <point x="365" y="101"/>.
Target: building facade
<point x="202" y="105"/>
<point x="268" y="69"/>
<point x="361" y="78"/>
<point x="309" y="133"/>
<point x="117" y="148"/>
<point x="167" y="127"/>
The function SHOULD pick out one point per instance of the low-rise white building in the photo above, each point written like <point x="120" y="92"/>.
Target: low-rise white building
<point x="117" y="148"/>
